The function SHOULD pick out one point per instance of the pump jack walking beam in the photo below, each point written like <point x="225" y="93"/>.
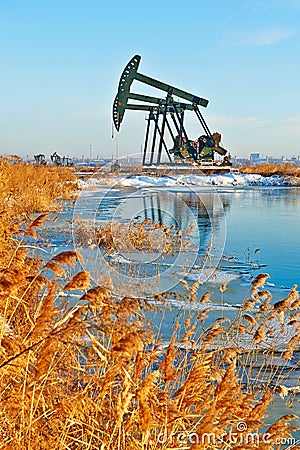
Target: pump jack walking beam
<point x="130" y="74"/>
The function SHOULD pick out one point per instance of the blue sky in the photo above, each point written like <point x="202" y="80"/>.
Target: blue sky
<point x="61" y="61"/>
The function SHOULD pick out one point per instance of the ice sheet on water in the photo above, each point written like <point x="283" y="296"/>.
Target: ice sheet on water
<point x="183" y="304"/>
<point x="68" y="294"/>
<point x="217" y="277"/>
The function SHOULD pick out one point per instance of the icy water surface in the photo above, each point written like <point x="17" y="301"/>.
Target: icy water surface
<point x="255" y="225"/>
<point x="251" y="230"/>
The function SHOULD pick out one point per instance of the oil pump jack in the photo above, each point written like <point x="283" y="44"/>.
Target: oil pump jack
<point x="61" y="160"/>
<point x="159" y="128"/>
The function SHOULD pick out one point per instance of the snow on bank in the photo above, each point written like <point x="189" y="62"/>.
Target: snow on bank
<point x="228" y="179"/>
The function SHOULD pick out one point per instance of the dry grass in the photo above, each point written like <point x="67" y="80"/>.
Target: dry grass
<point x="288" y="169"/>
<point x="138" y="235"/>
<point x="95" y="375"/>
<point x="27" y="188"/>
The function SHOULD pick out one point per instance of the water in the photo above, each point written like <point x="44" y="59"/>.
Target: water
<point x="258" y="225"/>
<point x="268" y="219"/>
<point x="251" y="230"/>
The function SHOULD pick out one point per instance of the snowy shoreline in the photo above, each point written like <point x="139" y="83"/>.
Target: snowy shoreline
<point x="228" y="179"/>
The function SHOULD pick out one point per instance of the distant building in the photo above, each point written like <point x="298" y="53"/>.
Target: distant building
<point x="254" y="157"/>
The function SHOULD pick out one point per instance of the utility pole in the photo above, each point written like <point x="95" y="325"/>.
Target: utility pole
<point x="90" y="151"/>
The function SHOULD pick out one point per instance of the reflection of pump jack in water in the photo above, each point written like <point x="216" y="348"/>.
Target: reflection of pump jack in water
<point x="170" y="210"/>
<point x="159" y="128"/>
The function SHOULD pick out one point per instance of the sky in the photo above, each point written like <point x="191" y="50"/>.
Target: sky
<point x="61" y="61"/>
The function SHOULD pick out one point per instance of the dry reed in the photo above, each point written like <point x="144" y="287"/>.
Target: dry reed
<point x="269" y="169"/>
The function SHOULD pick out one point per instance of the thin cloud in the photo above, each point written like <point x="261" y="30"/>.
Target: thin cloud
<point x="291" y="125"/>
<point x="286" y="4"/>
<point x="258" y="37"/>
<point x="252" y="121"/>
